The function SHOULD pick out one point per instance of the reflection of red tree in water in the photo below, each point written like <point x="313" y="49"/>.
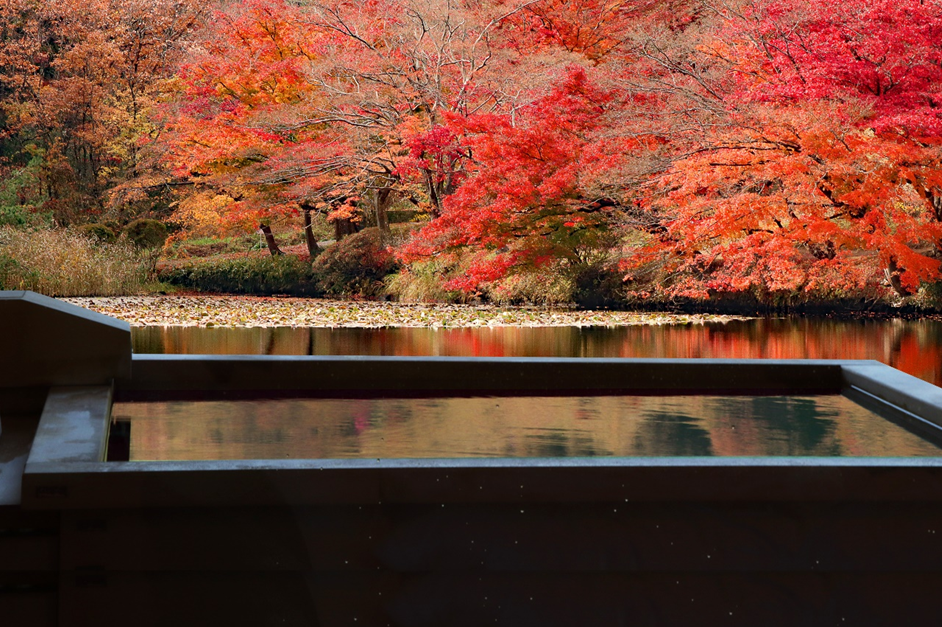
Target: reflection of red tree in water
<point x="919" y="358"/>
<point x="361" y="417"/>
<point x="912" y="346"/>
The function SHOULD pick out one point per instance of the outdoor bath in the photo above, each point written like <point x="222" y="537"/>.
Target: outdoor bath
<point x="593" y="491"/>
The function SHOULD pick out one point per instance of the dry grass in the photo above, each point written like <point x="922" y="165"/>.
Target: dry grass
<point x="59" y="262"/>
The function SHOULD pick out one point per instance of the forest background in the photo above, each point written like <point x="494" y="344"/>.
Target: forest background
<point x="599" y="152"/>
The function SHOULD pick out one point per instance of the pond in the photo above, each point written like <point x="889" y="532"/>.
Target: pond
<point x="911" y="346"/>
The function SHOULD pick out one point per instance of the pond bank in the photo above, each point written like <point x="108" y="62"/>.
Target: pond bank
<point x="250" y="311"/>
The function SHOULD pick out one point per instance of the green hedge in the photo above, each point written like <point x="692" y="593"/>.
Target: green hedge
<point x="284" y="274"/>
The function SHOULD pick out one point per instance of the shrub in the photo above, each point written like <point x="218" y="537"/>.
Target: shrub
<point x="67" y="263"/>
<point x="534" y="287"/>
<point x="14" y="215"/>
<point x="17" y="184"/>
<point x="597" y="285"/>
<point x="355" y="266"/>
<point x="929" y="297"/>
<point x="423" y="282"/>
<point x="98" y="232"/>
<point x="284" y="274"/>
<point x="146" y="233"/>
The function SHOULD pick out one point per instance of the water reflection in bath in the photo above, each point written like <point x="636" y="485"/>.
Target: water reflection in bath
<point x="513" y="427"/>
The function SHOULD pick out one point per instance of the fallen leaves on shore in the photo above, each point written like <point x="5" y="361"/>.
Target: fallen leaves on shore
<point x="249" y="311"/>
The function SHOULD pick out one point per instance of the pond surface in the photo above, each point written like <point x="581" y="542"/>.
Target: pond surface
<point x="912" y="346"/>
<point x="513" y="427"/>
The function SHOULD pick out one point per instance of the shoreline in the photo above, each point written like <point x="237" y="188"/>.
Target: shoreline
<point x="211" y="311"/>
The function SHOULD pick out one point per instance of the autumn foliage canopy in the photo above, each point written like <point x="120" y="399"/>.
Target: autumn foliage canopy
<point x="779" y="149"/>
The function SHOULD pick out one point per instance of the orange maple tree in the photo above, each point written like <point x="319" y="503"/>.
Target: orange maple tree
<point x="333" y="107"/>
<point x="78" y="82"/>
<point x="232" y="129"/>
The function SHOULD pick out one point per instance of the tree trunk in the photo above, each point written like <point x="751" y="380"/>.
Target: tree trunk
<point x="343" y="227"/>
<point x="433" y="193"/>
<point x="892" y="275"/>
<point x="270" y="239"/>
<point x="382" y="202"/>
<point x="309" y="238"/>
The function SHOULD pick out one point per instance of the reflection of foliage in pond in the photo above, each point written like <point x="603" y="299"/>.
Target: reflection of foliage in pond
<point x="677" y="433"/>
<point x="800" y="423"/>
<point x="562" y="443"/>
<point x="547" y="427"/>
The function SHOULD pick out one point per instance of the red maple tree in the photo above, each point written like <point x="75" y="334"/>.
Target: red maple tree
<point x="529" y="199"/>
<point x="820" y="169"/>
